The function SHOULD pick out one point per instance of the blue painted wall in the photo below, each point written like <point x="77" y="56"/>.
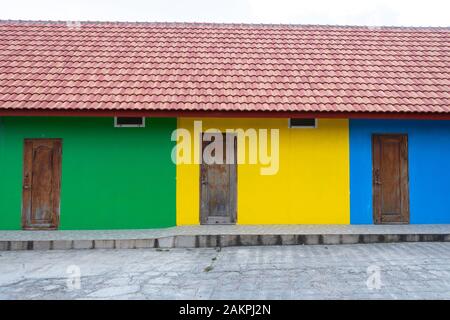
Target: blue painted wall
<point x="429" y="168"/>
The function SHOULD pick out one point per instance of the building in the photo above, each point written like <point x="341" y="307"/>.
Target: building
<point x="88" y="113"/>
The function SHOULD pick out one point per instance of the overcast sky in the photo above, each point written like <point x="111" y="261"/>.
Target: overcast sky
<point x="341" y="12"/>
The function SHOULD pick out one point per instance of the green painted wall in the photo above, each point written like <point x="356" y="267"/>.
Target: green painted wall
<point x="112" y="178"/>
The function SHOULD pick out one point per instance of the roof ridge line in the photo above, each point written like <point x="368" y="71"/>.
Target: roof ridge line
<point x="226" y="24"/>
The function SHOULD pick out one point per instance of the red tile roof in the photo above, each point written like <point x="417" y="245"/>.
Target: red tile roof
<point x="223" y="67"/>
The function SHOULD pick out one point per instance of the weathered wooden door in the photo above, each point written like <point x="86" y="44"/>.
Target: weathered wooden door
<point x="390" y="179"/>
<point x="218" y="184"/>
<point x="41" y="183"/>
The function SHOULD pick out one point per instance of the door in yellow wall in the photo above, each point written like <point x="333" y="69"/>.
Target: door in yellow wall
<point x="218" y="179"/>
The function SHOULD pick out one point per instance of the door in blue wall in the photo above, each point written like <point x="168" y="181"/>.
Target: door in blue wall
<point x="390" y="178"/>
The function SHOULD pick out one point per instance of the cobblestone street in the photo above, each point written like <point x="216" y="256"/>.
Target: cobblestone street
<point x="370" y="271"/>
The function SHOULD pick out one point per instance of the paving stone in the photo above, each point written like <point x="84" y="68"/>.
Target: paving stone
<point x="19" y="245"/>
<point x="311" y="239"/>
<point x="207" y="241"/>
<point x="428" y="237"/>
<point x="350" y="238"/>
<point x="331" y="239"/>
<point x="389" y="238"/>
<point x="104" y="244"/>
<point x="270" y="240"/>
<point x="125" y="244"/>
<point x="288" y="239"/>
<point x="83" y="244"/>
<point x="245" y="240"/>
<point x="412" y="238"/>
<point x="42" y="245"/>
<point x="229" y="240"/>
<point x="62" y="244"/>
<point x="166" y="242"/>
<point x="371" y="238"/>
<point x="185" y="242"/>
<point x="145" y="243"/>
<point x="4" y="245"/>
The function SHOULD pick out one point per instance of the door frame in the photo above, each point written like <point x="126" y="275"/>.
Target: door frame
<point x="405" y="196"/>
<point x="203" y="217"/>
<point x="56" y="192"/>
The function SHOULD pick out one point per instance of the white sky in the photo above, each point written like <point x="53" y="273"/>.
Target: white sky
<point x="341" y="12"/>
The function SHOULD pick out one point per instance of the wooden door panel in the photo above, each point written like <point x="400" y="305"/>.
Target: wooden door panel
<point x="42" y="180"/>
<point x="41" y="183"/>
<point x="218" y="187"/>
<point x="390" y="179"/>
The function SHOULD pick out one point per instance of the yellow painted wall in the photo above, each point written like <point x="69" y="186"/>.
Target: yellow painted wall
<point x="311" y="186"/>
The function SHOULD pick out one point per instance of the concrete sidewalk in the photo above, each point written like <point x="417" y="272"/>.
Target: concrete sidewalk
<point x="222" y="236"/>
<point x="359" y="271"/>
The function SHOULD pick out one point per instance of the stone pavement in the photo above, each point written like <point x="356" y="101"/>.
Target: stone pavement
<point x="221" y="236"/>
<point x="269" y="229"/>
<point x="369" y="271"/>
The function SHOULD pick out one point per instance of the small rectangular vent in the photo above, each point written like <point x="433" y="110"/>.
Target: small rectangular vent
<point x="138" y="122"/>
<point x="303" y="123"/>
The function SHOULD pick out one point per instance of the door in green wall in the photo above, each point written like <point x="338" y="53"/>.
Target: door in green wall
<point x="41" y="183"/>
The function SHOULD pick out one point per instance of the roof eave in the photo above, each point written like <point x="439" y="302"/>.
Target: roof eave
<point x="224" y="114"/>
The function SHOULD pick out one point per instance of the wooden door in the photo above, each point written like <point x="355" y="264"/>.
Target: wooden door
<point x="41" y="183"/>
<point x="390" y="179"/>
<point x="218" y="184"/>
